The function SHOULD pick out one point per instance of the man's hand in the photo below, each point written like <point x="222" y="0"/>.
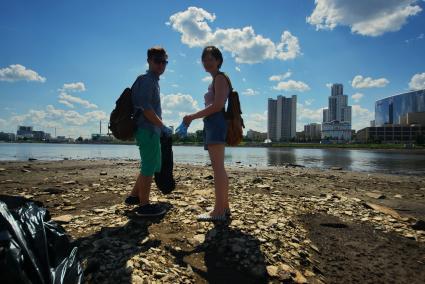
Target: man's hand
<point x="166" y="131"/>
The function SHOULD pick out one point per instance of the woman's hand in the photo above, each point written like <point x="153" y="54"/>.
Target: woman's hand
<point x="187" y="119"/>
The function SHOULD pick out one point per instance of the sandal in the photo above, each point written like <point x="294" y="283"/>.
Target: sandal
<point x="206" y="217"/>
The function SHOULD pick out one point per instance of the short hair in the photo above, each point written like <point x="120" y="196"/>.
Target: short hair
<point x="156" y="51"/>
<point x="215" y="52"/>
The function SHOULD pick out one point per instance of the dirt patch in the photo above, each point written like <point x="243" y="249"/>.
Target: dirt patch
<point x="357" y="253"/>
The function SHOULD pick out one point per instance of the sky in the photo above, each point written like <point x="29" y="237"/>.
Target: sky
<point x="63" y="64"/>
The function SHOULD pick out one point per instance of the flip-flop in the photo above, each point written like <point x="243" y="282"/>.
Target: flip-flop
<point x="206" y="217"/>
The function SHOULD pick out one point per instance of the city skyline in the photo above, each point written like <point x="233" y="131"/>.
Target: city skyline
<point x="64" y="65"/>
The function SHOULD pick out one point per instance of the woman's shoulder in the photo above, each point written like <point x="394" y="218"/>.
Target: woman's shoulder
<point x="222" y="78"/>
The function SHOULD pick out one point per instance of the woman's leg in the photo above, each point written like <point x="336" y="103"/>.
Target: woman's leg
<point x="221" y="182"/>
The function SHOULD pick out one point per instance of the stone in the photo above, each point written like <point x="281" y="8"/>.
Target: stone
<point x="299" y="278"/>
<point x="136" y="279"/>
<point x="272" y="270"/>
<point x="419" y="225"/>
<point x="68" y="208"/>
<point x="63" y="218"/>
<point x="199" y="238"/>
<point x="70" y="182"/>
<point x="382" y="209"/>
<point x="336" y="168"/>
<point x="53" y="190"/>
<point x="375" y="195"/>
<point x="103" y="173"/>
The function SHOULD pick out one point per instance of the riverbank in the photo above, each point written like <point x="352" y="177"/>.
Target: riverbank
<point x="288" y="224"/>
<point x="403" y="147"/>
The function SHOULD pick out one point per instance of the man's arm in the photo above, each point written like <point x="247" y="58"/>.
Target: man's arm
<point x="152" y="117"/>
<point x="142" y="100"/>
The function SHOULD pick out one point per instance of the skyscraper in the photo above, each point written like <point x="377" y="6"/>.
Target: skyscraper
<point x="337" y="117"/>
<point x="282" y="117"/>
<point x="338" y="106"/>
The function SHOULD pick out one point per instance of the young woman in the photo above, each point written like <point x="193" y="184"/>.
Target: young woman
<point x="215" y="129"/>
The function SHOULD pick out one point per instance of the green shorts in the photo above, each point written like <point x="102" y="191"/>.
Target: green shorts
<point x="150" y="151"/>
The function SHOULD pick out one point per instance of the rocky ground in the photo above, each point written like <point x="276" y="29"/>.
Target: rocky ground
<point x="289" y="225"/>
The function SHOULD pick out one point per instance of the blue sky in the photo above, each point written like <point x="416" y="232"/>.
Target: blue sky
<point x="64" y="63"/>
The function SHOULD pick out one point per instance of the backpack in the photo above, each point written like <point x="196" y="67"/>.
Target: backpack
<point x="233" y="116"/>
<point x="121" y="122"/>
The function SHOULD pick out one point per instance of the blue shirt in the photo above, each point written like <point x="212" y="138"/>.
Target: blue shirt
<point x="145" y="94"/>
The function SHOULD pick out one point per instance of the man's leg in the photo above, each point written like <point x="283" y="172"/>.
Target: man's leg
<point x="144" y="188"/>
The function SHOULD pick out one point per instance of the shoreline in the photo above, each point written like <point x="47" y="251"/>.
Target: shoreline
<point x="231" y="166"/>
<point x="298" y="225"/>
<point x="389" y="147"/>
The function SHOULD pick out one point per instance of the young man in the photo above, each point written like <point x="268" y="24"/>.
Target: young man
<point x="147" y="107"/>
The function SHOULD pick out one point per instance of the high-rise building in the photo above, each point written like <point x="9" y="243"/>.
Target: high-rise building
<point x="282" y="117"/>
<point x="272" y="120"/>
<point x="312" y="131"/>
<point x="337" y="90"/>
<point x="338" y="106"/>
<point x="391" y="110"/>
<point x="337" y="117"/>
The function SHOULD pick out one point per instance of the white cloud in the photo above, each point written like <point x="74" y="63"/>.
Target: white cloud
<point x="238" y="69"/>
<point x="250" y="92"/>
<point x="292" y="85"/>
<point x="68" y="104"/>
<point x="74" y="87"/>
<point x="17" y="72"/>
<point x="3" y="123"/>
<point x="280" y="77"/>
<point x="207" y="79"/>
<point x="72" y="99"/>
<point x="243" y="44"/>
<point x="175" y="103"/>
<point x="361" y="117"/>
<point x="308" y="114"/>
<point x="288" y="48"/>
<point x="365" y="17"/>
<point x="359" y="82"/>
<point x="357" y="97"/>
<point x="417" y="82"/>
<point x="18" y="119"/>
<point x="96" y="115"/>
<point x="308" y="102"/>
<point x="256" y="121"/>
<point x="328" y="85"/>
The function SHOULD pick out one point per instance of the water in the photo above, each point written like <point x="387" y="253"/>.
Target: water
<point x="383" y="161"/>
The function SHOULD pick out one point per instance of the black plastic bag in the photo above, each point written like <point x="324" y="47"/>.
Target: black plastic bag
<point x="164" y="180"/>
<point x="35" y="249"/>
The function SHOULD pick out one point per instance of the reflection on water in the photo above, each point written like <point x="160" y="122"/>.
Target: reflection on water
<point x="386" y="161"/>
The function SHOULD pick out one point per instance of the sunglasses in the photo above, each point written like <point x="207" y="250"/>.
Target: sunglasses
<point x="160" y="61"/>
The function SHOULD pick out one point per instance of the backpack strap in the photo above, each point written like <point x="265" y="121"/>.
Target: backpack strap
<point x="225" y="76"/>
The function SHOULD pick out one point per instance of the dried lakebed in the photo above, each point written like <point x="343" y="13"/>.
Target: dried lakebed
<point x="290" y="225"/>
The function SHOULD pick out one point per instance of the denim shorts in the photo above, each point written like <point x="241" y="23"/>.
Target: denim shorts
<point x="215" y="129"/>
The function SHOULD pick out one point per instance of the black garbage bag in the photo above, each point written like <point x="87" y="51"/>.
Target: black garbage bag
<point x="35" y="249"/>
<point x="164" y="179"/>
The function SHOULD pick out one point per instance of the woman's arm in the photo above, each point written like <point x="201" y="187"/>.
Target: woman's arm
<point x="221" y="90"/>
